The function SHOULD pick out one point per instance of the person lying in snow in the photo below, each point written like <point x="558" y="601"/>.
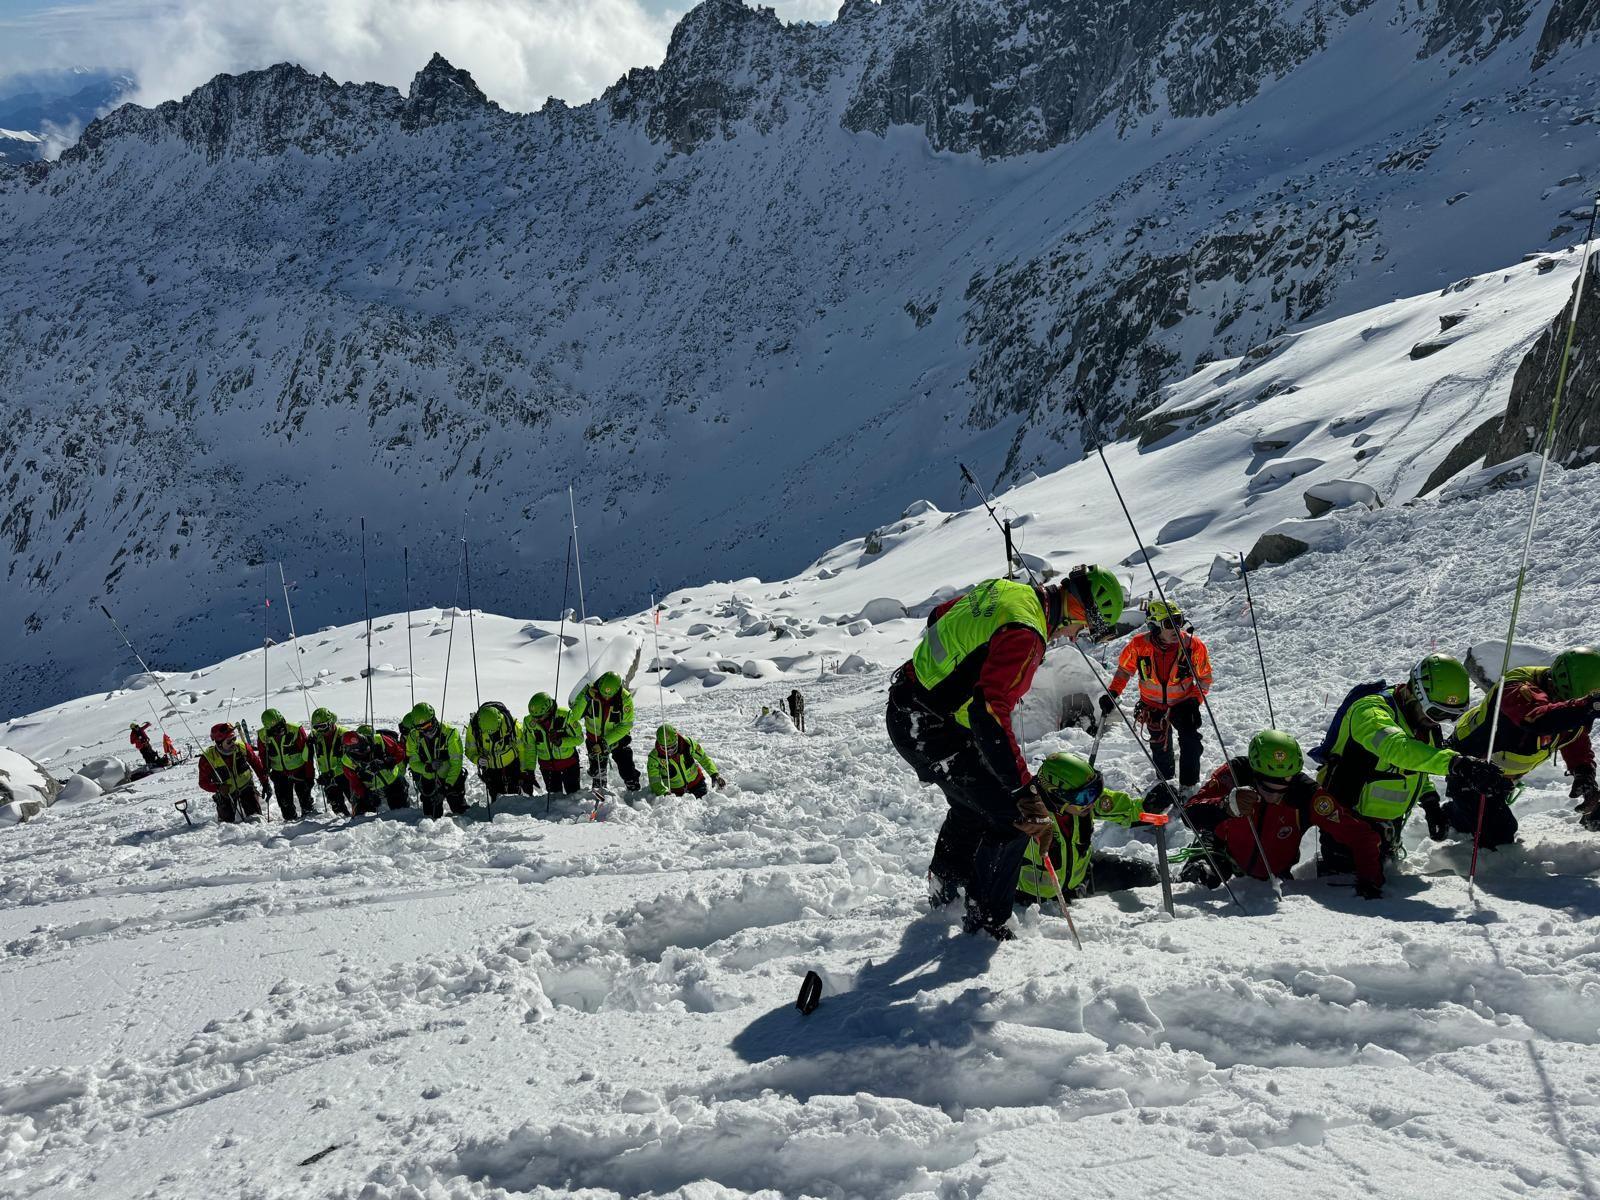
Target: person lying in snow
<point x="1265" y="795"/>
<point x="1542" y="710"/>
<point x="1078" y="797"/>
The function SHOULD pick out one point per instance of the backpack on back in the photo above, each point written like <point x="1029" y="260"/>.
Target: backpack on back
<point x="1322" y="752"/>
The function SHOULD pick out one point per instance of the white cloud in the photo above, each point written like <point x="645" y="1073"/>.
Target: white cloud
<point x="519" y="51"/>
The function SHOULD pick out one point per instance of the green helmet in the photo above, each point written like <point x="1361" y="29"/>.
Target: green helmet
<point x="271" y="719"/>
<point x="1441" y="688"/>
<point x="367" y="732"/>
<point x="1576" y="672"/>
<point x="1100" y="593"/>
<point x="323" y="718"/>
<point x="1068" y="778"/>
<point x="490" y="720"/>
<point x="540" y="704"/>
<point x="608" y="685"/>
<point x="421" y="714"/>
<point x="667" y="738"/>
<point x="1275" y="754"/>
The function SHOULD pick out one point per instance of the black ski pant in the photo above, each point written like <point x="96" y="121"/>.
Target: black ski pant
<point x="979" y="848"/>
<point x="1183" y="721"/>
<point x="337" y="789"/>
<point x="558" y="780"/>
<point x="290" y="790"/>
<point x="501" y="781"/>
<point x="151" y="759"/>
<point x="241" y="804"/>
<point x="1499" y="822"/>
<point x="622" y="754"/>
<point x="696" y="789"/>
<point x="435" y="793"/>
<point x="395" y="795"/>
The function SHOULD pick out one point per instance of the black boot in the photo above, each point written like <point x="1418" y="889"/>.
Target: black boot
<point x="941" y="892"/>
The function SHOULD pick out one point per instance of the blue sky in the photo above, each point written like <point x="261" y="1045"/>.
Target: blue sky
<point x="520" y="51"/>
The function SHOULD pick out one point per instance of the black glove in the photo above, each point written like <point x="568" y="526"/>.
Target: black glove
<point x="1107" y="704"/>
<point x="1198" y="870"/>
<point x="1476" y="776"/>
<point x="1584" y="787"/>
<point x="1433" y="812"/>
<point x="1368" y="890"/>
<point x="1160" y="797"/>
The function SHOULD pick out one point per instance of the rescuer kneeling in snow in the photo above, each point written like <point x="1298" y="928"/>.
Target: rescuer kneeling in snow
<point x="1263" y="803"/>
<point x="1077" y="794"/>
<point x="1542" y="710"/>
<point x="679" y="764"/>
<point x="949" y="716"/>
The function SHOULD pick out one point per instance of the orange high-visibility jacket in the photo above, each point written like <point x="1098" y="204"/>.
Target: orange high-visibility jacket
<point x="1164" y="679"/>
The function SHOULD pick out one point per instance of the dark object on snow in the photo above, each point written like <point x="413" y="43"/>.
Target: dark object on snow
<point x="797" y="710"/>
<point x="183" y="807"/>
<point x="810" y="994"/>
<point x="319" y="1155"/>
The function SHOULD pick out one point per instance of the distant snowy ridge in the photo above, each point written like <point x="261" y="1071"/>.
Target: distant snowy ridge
<point x="748" y="303"/>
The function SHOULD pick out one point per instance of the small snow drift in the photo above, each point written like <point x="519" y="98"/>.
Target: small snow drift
<point x="107" y="771"/>
<point x="26" y="788"/>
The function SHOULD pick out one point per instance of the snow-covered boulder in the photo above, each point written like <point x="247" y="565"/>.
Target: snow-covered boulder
<point x="1484" y="658"/>
<point x="759" y="668"/>
<point x="1290" y="539"/>
<point x="857" y="628"/>
<point x="773" y="720"/>
<point x="1324" y="497"/>
<point x="77" y="788"/>
<point x="26" y="788"/>
<point x="880" y="610"/>
<point x="108" y="772"/>
<point x="918" y="507"/>
<point x="925" y="609"/>
<point x="1508" y="474"/>
<point x="853" y="664"/>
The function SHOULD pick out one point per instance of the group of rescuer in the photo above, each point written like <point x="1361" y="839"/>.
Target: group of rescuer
<point x="1013" y="835"/>
<point x="360" y="770"/>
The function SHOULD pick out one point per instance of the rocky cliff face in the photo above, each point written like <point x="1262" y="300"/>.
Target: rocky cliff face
<point x="1533" y="390"/>
<point x="746" y="303"/>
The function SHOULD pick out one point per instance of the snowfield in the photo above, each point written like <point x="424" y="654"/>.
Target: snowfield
<point x="547" y="1005"/>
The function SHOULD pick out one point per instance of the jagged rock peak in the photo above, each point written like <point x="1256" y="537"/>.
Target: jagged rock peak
<point x="441" y="92"/>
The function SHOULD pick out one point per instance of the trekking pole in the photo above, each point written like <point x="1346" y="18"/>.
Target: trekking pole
<point x="450" y="641"/>
<point x="294" y="646"/>
<point x="411" y="654"/>
<point x="266" y="627"/>
<point x="561" y="635"/>
<point x="583" y="609"/>
<point x="1527" y="540"/>
<point x="1139" y="741"/>
<point x="366" y="606"/>
<point x="1099" y="735"/>
<point x="160" y="687"/>
<point x="1061" y="897"/>
<point x="472" y="629"/>
<point x="1183" y="651"/>
<point x="661" y="691"/>
<point x="1250" y="603"/>
<point x="995" y="517"/>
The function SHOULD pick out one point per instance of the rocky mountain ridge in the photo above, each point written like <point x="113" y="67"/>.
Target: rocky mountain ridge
<point x="780" y="280"/>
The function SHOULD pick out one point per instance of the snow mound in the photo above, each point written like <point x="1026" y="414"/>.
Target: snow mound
<point x="107" y="771"/>
<point x="26" y="788"/>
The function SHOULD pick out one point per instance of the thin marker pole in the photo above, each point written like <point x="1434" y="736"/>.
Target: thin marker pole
<point x="472" y="632"/>
<point x="1527" y="540"/>
<point x="146" y="668"/>
<point x="366" y="606"/>
<point x="1272" y="717"/>
<point x="577" y="554"/>
<point x="294" y="646"/>
<point x="411" y="655"/>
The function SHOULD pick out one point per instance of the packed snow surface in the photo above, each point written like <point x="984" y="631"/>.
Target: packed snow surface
<point x="545" y="1005"/>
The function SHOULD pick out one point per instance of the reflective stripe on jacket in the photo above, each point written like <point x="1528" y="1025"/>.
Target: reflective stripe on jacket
<point x="1072" y="854"/>
<point x="437" y="757"/>
<point x="1163" y="671"/>
<point x="679" y="771"/>
<point x="552" y="740"/>
<point x="1378" y="765"/>
<point x="607" y="721"/>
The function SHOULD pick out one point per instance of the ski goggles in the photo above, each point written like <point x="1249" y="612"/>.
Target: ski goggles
<point x="1079" y="799"/>
<point x="1439" y="714"/>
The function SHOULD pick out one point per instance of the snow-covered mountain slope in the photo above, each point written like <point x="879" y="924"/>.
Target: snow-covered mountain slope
<point x="540" y="1005"/>
<point x="741" y="300"/>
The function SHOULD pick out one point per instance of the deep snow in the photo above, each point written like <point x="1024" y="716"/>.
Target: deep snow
<point x="542" y="1005"/>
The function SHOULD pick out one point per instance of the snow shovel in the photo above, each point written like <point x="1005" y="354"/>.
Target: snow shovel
<point x="1159" y="822"/>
